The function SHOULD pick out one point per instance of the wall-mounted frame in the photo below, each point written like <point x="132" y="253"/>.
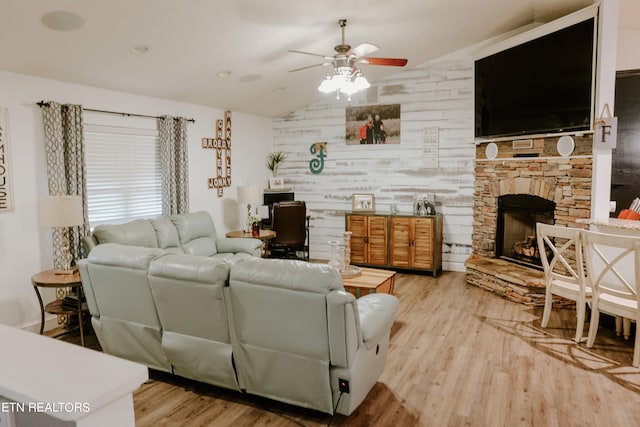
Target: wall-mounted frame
<point x="373" y="124"/>
<point x="363" y="203"/>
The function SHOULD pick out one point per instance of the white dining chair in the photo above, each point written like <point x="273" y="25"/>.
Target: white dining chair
<point x="613" y="271"/>
<point x="562" y="259"/>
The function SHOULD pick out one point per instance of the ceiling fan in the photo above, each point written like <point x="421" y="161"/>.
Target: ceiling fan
<point x="346" y="77"/>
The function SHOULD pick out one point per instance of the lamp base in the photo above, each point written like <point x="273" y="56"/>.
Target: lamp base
<point x="71" y="271"/>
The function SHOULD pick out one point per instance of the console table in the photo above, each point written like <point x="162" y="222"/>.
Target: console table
<point x="412" y="242"/>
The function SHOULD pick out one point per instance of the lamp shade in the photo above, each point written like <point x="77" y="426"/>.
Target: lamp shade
<point x="249" y="194"/>
<point x="61" y="211"/>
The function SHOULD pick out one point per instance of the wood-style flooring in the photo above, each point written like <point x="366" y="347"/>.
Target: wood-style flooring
<point x="459" y="356"/>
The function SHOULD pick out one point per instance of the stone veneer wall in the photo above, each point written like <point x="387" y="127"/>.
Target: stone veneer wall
<point x="564" y="180"/>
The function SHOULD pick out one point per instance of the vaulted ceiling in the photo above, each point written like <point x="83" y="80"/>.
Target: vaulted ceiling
<point x="234" y="55"/>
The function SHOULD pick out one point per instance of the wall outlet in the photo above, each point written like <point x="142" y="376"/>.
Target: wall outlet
<point x="612" y="206"/>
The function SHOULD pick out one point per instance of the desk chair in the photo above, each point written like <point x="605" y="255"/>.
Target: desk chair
<point x="613" y="270"/>
<point x="561" y="255"/>
<point x="290" y="224"/>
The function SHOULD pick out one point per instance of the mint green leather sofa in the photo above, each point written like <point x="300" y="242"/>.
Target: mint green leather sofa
<point x="283" y="329"/>
<point x="190" y="233"/>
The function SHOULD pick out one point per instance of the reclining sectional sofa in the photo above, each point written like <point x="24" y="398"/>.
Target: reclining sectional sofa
<point x="281" y="329"/>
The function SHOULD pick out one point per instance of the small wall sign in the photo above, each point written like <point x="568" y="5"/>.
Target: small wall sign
<point x="605" y="133"/>
<point x="6" y="203"/>
<point x="316" y="165"/>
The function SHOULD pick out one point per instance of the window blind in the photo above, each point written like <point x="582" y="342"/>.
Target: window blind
<point x="123" y="173"/>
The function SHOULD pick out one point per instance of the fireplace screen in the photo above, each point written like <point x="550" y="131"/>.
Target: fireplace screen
<point x="516" y="227"/>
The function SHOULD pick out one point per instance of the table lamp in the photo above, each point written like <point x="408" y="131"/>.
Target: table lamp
<point x="249" y="195"/>
<point x="62" y="212"/>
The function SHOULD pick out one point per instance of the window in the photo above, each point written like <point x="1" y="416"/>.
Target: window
<point x="123" y="169"/>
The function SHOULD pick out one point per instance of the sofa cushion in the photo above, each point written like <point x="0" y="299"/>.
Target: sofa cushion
<point x="167" y="235"/>
<point x="196" y="232"/>
<point x="135" y="233"/>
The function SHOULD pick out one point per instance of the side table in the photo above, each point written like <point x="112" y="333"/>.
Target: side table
<point x="49" y="279"/>
<point x="265" y="236"/>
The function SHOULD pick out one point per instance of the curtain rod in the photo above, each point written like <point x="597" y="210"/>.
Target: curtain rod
<point x="46" y="104"/>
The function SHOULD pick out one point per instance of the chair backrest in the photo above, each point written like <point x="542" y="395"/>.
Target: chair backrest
<point x="613" y="264"/>
<point x="561" y="253"/>
<point x="289" y="223"/>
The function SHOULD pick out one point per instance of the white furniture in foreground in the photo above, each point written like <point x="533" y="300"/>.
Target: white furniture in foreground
<point x="47" y="382"/>
<point x="561" y="255"/>
<point x="613" y="266"/>
<point x="622" y="227"/>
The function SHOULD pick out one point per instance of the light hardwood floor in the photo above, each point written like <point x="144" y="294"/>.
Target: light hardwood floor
<point x="459" y="356"/>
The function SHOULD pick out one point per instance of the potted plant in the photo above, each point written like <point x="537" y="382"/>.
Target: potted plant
<point x="273" y="163"/>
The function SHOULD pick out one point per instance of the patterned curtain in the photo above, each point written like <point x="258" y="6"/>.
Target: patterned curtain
<point x="174" y="165"/>
<point x="64" y="147"/>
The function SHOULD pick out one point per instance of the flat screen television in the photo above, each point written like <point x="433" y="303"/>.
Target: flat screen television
<point x="544" y="85"/>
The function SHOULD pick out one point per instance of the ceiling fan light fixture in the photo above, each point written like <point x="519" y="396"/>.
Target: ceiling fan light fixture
<point x="349" y="88"/>
<point x="361" y="82"/>
<point x="327" y="85"/>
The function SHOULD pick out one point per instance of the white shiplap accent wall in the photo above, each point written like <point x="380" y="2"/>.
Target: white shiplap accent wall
<point x="438" y="94"/>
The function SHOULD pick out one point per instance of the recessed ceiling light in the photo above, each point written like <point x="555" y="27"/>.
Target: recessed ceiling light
<point x="140" y="49"/>
<point x="62" y="20"/>
<point x="223" y="74"/>
<point x="249" y="78"/>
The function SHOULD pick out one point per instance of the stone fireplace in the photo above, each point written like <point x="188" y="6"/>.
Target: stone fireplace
<point x="527" y="181"/>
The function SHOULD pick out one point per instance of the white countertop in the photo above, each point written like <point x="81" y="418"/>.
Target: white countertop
<point x="38" y="369"/>
<point x="626" y="224"/>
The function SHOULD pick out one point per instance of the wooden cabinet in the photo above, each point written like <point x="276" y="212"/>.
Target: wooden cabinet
<point x="414" y="242"/>
<point x="396" y="241"/>
<point x="368" y="238"/>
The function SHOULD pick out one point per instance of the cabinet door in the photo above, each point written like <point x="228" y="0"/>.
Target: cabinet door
<point x="357" y="224"/>
<point x="423" y="242"/>
<point x="400" y="241"/>
<point x="377" y="240"/>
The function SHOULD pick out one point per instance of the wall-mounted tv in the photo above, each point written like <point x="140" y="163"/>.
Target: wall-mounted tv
<point x="544" y="85"/>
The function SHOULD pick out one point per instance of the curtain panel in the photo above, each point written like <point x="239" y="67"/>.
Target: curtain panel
<point x="174" y="164"/>
<point x="64" y="149"/>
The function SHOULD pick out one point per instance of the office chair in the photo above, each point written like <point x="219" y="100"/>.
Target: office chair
<point x="290" y="224"/>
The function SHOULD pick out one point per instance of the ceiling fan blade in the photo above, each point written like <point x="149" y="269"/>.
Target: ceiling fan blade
<point x="310" y="66"/>
<point x="395" y="62"/>
<point x="364" y="49"/>
<point x="312" y="54"/>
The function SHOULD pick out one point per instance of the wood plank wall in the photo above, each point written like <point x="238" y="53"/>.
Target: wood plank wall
<point x="437" y="94"/>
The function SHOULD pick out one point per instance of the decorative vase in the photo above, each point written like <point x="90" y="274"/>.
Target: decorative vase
<point x="334" y="254"/>
<point x="347" y="248"/>
<point x="348" y="270"/>
<point x="255" y="229"/>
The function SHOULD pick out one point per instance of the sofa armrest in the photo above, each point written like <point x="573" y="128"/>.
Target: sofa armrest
<point x="344" y="335"/>
<point x="377" y="313"/>
<point x="237" y="244"/>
